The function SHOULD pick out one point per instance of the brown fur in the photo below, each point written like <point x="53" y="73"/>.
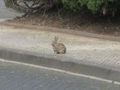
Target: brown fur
<point x="59" y="48"/>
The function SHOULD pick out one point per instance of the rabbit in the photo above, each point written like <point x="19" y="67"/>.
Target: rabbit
<point x="59" y="48"/>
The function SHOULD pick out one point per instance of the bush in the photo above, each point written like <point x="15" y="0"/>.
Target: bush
<point x="9" y="3"/>
<point x="95" y="6"/>
<point x="104" y="6"/>
<point x="31" y="5"/>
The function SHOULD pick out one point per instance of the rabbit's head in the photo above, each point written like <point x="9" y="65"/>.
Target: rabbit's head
<point x="55" y="41"/>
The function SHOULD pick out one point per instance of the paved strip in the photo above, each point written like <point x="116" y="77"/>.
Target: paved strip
<point x="92" y="51"/>
<point x="22" y="77"/>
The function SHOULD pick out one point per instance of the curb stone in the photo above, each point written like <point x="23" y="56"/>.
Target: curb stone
<point x="46" y="61"/>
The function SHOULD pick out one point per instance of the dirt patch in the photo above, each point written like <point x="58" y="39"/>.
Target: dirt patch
<point x="83" y="21"/>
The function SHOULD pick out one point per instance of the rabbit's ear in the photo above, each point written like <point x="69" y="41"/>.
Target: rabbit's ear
<point x="56" y="38"/>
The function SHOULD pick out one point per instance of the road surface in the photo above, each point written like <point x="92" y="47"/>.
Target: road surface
<point x="21" y="77"/>
<point x="7" y="13"/>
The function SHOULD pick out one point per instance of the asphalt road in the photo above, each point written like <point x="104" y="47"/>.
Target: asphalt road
<point x="22" y="77"/>
<point x="7" y="13"/>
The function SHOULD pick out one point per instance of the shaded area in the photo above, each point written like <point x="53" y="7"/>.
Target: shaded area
<point x="60" y="18"/>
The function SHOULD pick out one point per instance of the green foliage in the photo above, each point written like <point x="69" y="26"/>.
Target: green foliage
<point x="9" y="3"/>
<point x="93" y="5"/>
<point x="71" y="4"/>
<point x="75" y="5"/>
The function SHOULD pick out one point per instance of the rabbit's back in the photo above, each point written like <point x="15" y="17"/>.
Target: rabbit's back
<point x="59" y="48"/>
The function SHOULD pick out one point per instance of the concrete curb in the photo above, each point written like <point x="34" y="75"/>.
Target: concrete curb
<point x="46" y="61"/>
<point x="65" y="31"/>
